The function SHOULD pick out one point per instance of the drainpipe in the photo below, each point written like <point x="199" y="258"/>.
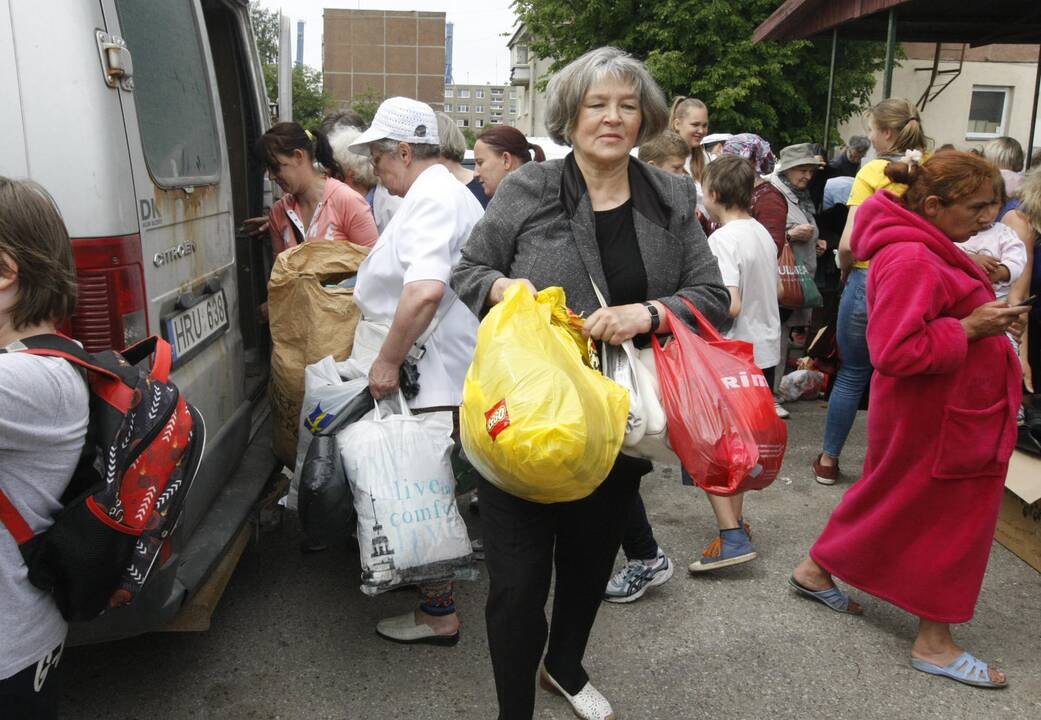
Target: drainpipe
<point x="887" y="82"/>
<point x="831" y="92"/>
<point x="1033" y="113"/>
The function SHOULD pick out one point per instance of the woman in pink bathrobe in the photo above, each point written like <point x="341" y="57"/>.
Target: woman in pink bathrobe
<point x="916" y="529"/>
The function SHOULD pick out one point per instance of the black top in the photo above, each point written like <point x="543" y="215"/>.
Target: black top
<point x="620" y="255"/>
<point x="477" y="189"/>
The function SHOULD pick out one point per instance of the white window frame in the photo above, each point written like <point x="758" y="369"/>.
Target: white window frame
<point x="478" y="93"/>
<point x="462" y="108"/>
<point x="449" y="92"/>
<point x="448" y="107"/>
<point x="1005" y="112"/>
<point x="459" y="122"/>
<point x="464" y="93"/>
<point x="480" y="122"/>
<point x="479" y="109"/>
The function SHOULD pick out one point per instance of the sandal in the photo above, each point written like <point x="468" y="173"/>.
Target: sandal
<point x="965" y="669"/>
<point x="833" y="597"/>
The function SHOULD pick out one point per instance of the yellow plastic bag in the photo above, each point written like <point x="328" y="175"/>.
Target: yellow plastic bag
<point x="536" y="420"/>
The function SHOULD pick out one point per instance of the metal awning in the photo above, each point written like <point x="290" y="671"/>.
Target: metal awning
<point x="975" y="23"/>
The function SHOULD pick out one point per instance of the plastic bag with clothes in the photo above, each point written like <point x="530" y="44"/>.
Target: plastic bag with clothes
<point x="400" y="473"/>
<point x="802" y="384"/>
<point x="328" y="387"/>
<point x="537" y="421"/>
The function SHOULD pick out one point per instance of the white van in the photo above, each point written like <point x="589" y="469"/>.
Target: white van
<point x="139" y="117"/>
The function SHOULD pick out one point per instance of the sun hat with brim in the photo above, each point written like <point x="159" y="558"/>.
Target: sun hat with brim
<point x="715" y="138"/>
<point x="402" y="119"/>
<point x="798" y="155"/>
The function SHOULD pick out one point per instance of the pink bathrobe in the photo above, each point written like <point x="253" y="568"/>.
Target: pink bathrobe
<point x="916" y="529"/>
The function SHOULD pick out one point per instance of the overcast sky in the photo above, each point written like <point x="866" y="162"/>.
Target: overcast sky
<point x="482" y="28"/>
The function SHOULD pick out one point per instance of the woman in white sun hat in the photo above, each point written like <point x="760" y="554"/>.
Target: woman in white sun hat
<point x="403" y="286"/>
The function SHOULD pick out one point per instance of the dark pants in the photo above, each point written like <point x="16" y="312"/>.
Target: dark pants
<point x="523" y="542"/>
<point x="33" y="693"/>
<point x="638" y="542"/>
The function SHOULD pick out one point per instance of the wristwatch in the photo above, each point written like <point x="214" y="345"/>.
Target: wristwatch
<point x="655" y="318"/>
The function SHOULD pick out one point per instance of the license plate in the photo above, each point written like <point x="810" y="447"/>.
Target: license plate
<point x="191" y="329"/>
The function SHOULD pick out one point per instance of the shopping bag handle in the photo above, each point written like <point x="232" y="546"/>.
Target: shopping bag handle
<point x="405" y="409"/>
<point x="708" y="330"/>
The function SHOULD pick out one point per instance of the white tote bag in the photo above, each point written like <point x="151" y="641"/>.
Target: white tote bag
<point x="646" y="432"/>
<point x="400" y="471"/>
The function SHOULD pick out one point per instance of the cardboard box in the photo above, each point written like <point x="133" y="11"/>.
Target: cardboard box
<point x="1019" y="521"/>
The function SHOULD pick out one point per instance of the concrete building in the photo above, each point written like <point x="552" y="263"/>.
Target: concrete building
<point x="384" y="53"/>
<point x="991" y="92"/>
<point x="525" y="71"/>
<point x="480" y="106"/>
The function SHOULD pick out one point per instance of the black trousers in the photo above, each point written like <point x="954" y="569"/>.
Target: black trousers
<point x="33" y="693"/>
<point x="523" y="542"/>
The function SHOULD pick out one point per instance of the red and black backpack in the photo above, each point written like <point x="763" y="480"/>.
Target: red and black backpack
<point x="142" y="451"/>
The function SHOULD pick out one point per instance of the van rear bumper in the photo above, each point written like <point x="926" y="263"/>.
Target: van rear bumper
<point x="171" y="585"/>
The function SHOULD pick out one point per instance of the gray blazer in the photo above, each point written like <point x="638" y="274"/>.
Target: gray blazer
<point x="540" y="226"/>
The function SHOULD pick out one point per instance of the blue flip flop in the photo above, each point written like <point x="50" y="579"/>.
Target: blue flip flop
<point x="833" y="598"/>
<point x="965" y="669"/>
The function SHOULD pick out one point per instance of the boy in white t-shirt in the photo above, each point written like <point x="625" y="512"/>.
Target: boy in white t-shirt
<point x="747" y="259"/>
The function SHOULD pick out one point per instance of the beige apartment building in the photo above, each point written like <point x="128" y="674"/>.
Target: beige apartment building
<point x="384" y="53"/>
<point x="525" y="72"/>
<point x="479" y="106"/>
<point x="990" y="92"/>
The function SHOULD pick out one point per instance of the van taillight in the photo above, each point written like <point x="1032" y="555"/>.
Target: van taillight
<point x="111" y="310"/>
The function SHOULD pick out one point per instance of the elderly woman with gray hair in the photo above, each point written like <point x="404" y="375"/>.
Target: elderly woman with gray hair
<point x="406" y="302"/>
<point x="597" y="216"/>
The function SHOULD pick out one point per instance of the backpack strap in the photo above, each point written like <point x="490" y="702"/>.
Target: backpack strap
<point x="67" y="349"/>
<point x="14" y="521"/>
<point x="149" y="346"/>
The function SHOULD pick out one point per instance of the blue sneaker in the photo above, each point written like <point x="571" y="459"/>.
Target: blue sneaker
<point x="636" y="577"/>
<point x="731" y="547"/>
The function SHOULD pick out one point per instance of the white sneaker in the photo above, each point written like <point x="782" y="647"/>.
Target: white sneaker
<point x="588" y="703"/>
<point x="781" y="412"/>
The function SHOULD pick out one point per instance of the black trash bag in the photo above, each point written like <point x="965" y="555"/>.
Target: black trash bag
<point x="324" y="501"/>
<point x="1029" y="439"/>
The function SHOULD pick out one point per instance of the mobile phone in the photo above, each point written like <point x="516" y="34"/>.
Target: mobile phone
<point x="1030" y="301"/>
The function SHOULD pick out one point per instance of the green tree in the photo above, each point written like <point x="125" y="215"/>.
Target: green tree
<point x="704" y="49"/>
<point x="468" y="134"/>
<point x="366" y="104"/>
<point x="310" y="102"/>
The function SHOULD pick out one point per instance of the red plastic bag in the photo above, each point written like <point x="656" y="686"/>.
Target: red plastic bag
<point x="722" y="422"/>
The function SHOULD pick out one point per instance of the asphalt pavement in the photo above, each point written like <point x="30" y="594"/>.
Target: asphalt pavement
<point x="293" y="637"/>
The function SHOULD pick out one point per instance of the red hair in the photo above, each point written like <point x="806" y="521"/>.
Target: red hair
<point x="950" y="176"/>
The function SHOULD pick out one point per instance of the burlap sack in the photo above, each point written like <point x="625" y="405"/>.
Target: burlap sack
<point x="309" y="321"/>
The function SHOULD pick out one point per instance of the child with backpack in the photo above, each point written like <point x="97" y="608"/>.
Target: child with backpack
<point x="43" y="424"/>
<point x="748" y="263"/>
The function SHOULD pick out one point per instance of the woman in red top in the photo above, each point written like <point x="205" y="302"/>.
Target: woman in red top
<point x="317" y="205"/>
<point x="916" y="529"/>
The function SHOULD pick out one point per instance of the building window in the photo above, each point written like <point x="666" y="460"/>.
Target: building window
<point x="462" y="108"/>
<point x="448" y="107"/>
<point x="513" y="108"/>
<point x="478" y="109"/>
<point x="459" y="122"/>
<point x="479" y="93"/>
<point x="520" y="55"/>
<point x="466" y="123"/>
<point x="449" y="92"/>
<point x="464" y="93"/>
<point x="988" y="112"/>
<point x="496" y="121"/>
<point x="480" y="122"/>
<point x="513" y="94"/>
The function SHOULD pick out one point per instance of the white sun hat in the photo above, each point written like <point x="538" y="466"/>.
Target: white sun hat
<point x="402" y="119"/>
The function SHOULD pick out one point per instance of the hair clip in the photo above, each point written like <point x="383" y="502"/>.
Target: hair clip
<point x="309" y="135"/>
<point x="913" y="157"/>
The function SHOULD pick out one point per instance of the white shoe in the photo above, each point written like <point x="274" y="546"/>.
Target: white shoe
<point x="588" y="703"/>
<point x="781" y="412"/>
<point x="405" y="630"/>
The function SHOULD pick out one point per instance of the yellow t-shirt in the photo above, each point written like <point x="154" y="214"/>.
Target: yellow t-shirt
<point x="870" y="179"/>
